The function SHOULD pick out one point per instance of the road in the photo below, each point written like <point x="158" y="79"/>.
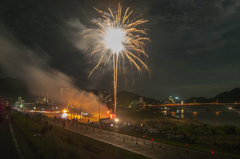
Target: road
<point x="12" y="143"/>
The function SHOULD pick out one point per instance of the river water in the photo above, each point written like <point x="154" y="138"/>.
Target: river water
<point x="211" y="115"/>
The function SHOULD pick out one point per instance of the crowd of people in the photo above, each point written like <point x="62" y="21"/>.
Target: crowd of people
<point x="5" y="112"/>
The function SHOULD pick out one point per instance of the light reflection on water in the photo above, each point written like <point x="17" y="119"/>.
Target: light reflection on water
<point x="211" y="115"/>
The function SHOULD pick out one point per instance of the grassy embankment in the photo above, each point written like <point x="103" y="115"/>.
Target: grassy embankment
<point x="208" y="138"/>
<point x="62" y="143"/>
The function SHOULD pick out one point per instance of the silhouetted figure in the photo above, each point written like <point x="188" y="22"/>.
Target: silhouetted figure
<point x="88" y="121"/>
<point x="63" y="123"/>
<point x="45" y="127"/>
<point x="1" y="118"/>
<point x="50" y="127"/>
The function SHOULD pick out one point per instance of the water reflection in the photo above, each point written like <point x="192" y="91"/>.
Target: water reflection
<point x="182" y="116"/>
<point x="164" y="112"/>
<point x="182" y="110"/>
<point x="194" y="114"/>
<point x="211" y="115"/>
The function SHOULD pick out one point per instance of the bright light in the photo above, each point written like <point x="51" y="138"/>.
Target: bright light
<point x="114" y="39"/>
<point x="64" y="115"/>
<point x="116" y="120"/>
<point x="64" y="111"/>
<point x="119" y="40"/>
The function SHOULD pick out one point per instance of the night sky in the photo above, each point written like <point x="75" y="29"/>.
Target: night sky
<point x="194" y="49"/>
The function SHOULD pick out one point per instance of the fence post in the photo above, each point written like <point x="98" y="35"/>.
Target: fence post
<point x="177" y="149"/>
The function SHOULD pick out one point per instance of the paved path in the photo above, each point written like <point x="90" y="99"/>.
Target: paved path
<point x="7" y="145"/>
<point x="12" y="142"/>
<point x="138" y="146"/>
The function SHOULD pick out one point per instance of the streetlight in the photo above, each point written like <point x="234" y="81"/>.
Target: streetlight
<point x="100" y="96"/>
<point x="116" y="120"/>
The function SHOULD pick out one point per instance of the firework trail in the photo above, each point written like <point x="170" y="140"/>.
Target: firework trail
<point x="119" y="40"/>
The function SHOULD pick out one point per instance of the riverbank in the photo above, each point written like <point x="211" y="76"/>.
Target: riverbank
<point x="62" y="143"/>
<point x="181" y="131"/>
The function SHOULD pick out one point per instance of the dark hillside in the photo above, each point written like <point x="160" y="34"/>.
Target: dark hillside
<point x="11" y="88"/>
<point x="124" y="97"/>
<point x="224" y="97"/>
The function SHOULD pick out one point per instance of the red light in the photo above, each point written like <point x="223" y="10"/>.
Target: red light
<point x="123" y="133"/>
<point x="187" y="144"/>
<point x="152" y="139"/>
<point x="134" y="110"/>
<point x="143" y="135"/>
<point x="212" y="152"/>
<point x="118" y="130"/>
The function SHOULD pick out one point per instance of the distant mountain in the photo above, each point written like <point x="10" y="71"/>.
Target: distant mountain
<point x="228" y="97"/>
<point x="11" y="88"/>
<point x="124" y="97"/>
<point x="224" y="97"/>
<point x="197" y="100"/>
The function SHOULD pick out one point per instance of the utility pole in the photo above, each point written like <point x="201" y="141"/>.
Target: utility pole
<point x="100" y="96"/>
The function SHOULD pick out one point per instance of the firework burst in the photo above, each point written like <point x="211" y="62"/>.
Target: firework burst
<point x="119" y="40"/>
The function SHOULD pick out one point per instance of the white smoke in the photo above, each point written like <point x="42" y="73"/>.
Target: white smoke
<point x="24" y="63"/>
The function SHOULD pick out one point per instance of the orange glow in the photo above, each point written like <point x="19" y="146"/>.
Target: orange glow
<point x="64" y="111"/>
<point x="194" y="113"/>
<point x="112" y="116"/>
<point x="108" y="112"/>
<point x="217" y="113"/>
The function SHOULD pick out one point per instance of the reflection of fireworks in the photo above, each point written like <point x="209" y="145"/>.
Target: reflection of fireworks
<point x="118" y="39"/>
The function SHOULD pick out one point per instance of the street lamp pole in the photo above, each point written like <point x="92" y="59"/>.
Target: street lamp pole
<point x="100" y="95"/>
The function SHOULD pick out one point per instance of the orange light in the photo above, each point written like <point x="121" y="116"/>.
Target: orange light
<point x="108" y="112"/>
